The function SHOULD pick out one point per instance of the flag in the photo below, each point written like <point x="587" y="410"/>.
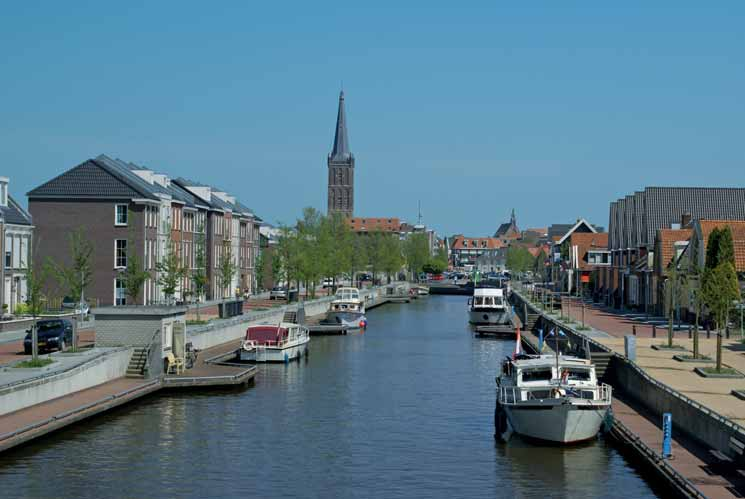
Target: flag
<point x="518" y="345"/>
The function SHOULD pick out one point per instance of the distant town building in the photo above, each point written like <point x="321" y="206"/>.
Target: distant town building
<point x="359" y="224"/>
<point x="508" y="230"/>
<point x="341" y="168"/>
<point x="465" y="251"/>
<point x="16" y="239"/>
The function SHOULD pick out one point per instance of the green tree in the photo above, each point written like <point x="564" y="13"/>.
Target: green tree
<point x="78" y="275"/>
<point x="675" y="285"/>
<point x="226" y="269"/>
<point x="260" y="266"/>
<point x="199" y="277"/>
<point x="519" y="259"/>
<point x="359" y="257"/>
<point x="719" y="287"/>
<point x="539" y="265"/>
<point x="171" y="272"/>
<point x="392" y="259"/>
<point x="35" y="280"/>
<point x="375" y="252"/>
<point x="416" y="251"/>
<point x="134" y="275"/>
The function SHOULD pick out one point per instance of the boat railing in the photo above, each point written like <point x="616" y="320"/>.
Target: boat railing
<point x="601" y="394"/>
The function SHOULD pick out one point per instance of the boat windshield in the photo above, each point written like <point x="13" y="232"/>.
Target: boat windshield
<point x="347" y="294"/>
<point x="578" y="374"/>
<point x="542" y="374"/>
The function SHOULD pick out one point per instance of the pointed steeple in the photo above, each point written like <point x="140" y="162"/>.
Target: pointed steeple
<point x="341" y="151"/>
<point x="513" y="220"/>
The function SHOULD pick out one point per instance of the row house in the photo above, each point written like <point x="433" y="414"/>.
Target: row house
<point x="129" y="212"/>
<point x="465" y="251"/>
<point x="16" y="236"/>
<point x="634" y="222"/>
<point x="575" y="253"/>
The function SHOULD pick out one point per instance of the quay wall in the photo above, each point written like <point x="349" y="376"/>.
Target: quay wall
<point x="100" y="369"/>
<point x="233" y="329"/>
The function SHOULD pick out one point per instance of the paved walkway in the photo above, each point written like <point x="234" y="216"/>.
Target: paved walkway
<point x="659" y="364"/>
<point x="13" y="351"/>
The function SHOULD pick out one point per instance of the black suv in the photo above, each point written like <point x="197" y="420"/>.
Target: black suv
<point x="53" y="334"/>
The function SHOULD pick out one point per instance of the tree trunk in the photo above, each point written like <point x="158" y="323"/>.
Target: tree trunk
<point x="719" y="346"/>
<point x="695" y="336"/>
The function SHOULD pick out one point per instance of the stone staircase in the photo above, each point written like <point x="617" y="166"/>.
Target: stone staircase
<point x="290" y="316"/>
<point x="137" y="363"/>
<point x="530" y="323"/>
<point x="602" y="361"/>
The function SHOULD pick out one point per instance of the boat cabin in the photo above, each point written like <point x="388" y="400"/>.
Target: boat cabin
<point x="270" y="335"/>
<point x="347" y="300"/>
<point x="487" y="298"/>
<point x="536" y="377"/>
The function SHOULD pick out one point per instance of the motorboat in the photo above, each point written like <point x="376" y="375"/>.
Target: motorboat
<point x="275" y="343"/>
<point x="488" y="306"/>
<point x="555" y="398"/>
<point x="347" y="309"/>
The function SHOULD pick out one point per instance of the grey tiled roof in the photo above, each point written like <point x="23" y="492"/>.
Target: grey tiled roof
<point x="91" y="179"/>
<point x="14" y="214"/>
<point x="558" y="230"/>
<point x="635" y="219"/>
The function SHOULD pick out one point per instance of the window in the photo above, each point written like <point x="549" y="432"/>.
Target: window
<point x="120" y="253"/>
<point x="121" y="215"/>
<point x="120" y="293"/>
<point x="537" y="375"/>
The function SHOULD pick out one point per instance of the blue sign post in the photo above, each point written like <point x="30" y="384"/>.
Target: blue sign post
<point x="667" y="435"/>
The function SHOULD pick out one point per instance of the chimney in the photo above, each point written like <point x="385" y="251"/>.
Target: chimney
<point x="685" y="220"/>
<point x="4" y="191"/>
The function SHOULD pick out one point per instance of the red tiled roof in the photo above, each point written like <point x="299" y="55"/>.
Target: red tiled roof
<point x="666" y="239"/>
<point x="364" y="224"/>
<point x="738" y="237"/>
<point x="461" y="242"/>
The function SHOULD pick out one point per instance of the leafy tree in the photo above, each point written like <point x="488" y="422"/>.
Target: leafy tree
<point x="416" y="251"/>
<point x="78" y="275"/>
<point x="260" y="265"/>
<point x="539" y="265"/>
<point x="227" y="268"/>
<point x="375" y="251"/>
<point x="359" y="254"/>
<point x="519" y="259"/>
<point x="35" y="280"/>
<point x="199" y="277"/>
<point x="171" y="272"/>
<point x="134" y="275"/>
<point x="676" y="281"/>
<point x="719" y="287"/>
<point x="276" y="267"/>
<point x="392" y="258"/>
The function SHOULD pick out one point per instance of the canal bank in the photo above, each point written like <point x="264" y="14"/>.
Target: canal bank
<point x="401" y="410"/>
<point x="699" y="434"/>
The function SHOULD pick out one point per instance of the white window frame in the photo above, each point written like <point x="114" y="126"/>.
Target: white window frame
<point x="116" y="257"/>
<point x="124" y="291"/>
<point x="117" y="223"/>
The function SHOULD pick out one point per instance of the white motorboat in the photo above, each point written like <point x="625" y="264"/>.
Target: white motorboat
<point x="488" y="306"/>
<point x="552" y="398"/>
<point x="347" y="309"/>
<point x="275" y="343"/>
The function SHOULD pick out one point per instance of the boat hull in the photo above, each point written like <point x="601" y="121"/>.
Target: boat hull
<point x="559" y="421"/>
<point x="488" y="317"/>
<point x="273" y="354"/>
<point x="349" y="319"/>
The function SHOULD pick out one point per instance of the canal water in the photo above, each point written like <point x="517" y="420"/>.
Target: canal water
<point x="404" y="410"/>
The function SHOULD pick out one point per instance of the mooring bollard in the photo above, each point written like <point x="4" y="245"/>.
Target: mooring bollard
<point x="633" y="329"/>
<point x="654" y="331"/>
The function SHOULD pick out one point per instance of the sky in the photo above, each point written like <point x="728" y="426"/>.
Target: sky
<point x="552" y="108"/>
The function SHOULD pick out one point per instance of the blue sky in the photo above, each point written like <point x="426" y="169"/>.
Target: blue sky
<point x="553" y="108"/>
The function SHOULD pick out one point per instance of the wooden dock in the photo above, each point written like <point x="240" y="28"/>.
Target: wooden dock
<point x="507" y="331"/>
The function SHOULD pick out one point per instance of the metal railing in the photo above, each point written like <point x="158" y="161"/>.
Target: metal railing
<point x="602" y="394"/>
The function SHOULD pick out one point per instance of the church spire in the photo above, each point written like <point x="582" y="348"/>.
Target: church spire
<point x="513" y="220"/>
<point x="341" y="151"/>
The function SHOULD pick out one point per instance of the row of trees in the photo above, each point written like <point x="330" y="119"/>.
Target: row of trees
<point x="318" y="247"/>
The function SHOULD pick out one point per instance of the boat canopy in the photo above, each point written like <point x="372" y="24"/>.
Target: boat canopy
<point x="348" y="294"/>
<point x="266" y="333"/>
<point x="488" y="292"/>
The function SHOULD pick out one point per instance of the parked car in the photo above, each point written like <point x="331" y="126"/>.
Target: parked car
<point x="328" y="282"/>
<point x="52" y="334"/>
<point x="437" y="277"/>
<point x="78" y="308"/>
<point x="278" y="293"/>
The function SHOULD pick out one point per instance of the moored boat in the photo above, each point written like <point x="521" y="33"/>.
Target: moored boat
<point x="488" y="306"/>
<point x="275" y="343"/>
<point x="347" y="309"/>
<point x="552" y="398"/>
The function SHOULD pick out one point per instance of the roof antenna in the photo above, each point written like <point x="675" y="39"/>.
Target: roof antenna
<point x="419" y="218"/>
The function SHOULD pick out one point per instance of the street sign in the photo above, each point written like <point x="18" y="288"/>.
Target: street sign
<point x="667" y="435"/>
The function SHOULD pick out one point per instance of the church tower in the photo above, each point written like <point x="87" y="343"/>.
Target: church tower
<point x="341" y="168"/>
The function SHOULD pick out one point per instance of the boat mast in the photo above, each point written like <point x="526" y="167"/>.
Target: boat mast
<point x="556" y="348"/>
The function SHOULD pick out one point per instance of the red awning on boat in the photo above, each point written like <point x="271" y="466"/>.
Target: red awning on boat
<point x="262" y="334"/>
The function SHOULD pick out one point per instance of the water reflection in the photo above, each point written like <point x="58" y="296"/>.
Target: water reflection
<point x="403" y="410"/>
